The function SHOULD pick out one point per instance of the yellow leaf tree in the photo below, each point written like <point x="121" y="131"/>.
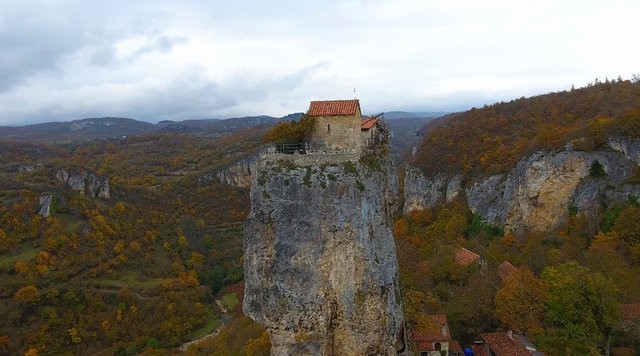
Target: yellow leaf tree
<point x="520" y="301"/>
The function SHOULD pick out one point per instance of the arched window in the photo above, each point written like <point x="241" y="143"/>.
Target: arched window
<point x="328" y="128"/>
<point x="437" y="346"/>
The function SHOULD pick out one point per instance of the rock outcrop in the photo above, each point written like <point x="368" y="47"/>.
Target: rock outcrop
<point x="421" y="192"/>
<point x="25" y="168"/>
<point x="320" y="262"/>
<point x="237" y="173"/>
<point x="44" y="208"/>
<point x="85" y="182"/>
<point x="536" y="195"/>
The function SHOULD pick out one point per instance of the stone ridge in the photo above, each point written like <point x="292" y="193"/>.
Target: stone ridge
<point x="536" y="195"/>
<point x="320" y="263"/>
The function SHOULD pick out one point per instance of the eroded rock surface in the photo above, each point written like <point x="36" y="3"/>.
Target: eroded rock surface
<point x="538" y="193"/>
<point x="320" y="261"/>
<point x="85" y="182"/>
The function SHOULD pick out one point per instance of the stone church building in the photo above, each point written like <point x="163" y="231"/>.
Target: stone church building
<point x="340" y="126"/>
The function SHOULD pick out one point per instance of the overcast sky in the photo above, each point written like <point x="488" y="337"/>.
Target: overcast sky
<point x="62" y="60"/>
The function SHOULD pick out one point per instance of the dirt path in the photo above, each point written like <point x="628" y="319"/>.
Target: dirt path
<point x="186" y="345"/>
<point x="221" y="306"/>
<point x="224" y="320"/>
<point x="113" y="291"/>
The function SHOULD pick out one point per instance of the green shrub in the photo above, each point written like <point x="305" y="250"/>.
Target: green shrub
<point x="596" y="170"/>
<point x="291" y="132"/>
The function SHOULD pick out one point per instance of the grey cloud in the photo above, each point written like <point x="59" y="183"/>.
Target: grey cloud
<point x="162" y="43"/>
<point x="102" y="56"/>
<point x="195" y="95"/>
<point x="250" y="89"/>
<point x="29" y="48"/>
<point x="190" y="94"/>
<point x="36" y="37"/>
<point x="58" y="59"/>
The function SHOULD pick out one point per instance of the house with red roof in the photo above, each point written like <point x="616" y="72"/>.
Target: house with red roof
<point x="504" y="344"/>
<point x="432" y="337"/>
<point x="466" y="257"/>
<point x="340" y="127"/>
<point x="505" y="269"/>
<point x="629" y="321"/>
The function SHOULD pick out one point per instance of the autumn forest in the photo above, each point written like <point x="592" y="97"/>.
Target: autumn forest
<point x="159" y="263"/>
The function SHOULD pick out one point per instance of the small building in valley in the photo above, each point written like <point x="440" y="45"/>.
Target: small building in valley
<point x="506" y="269"/>
<point x="504" y="344"/>
<point x="433" y="337"/>
<point x="466" y="257"/>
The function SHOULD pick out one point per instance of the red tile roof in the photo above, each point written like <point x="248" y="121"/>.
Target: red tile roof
<point x="430" y="331"/>
<point x="630" y="312"/>
<point x="503" y="345"/>
<point x="454" y="346"/>
<point x="368" y="123"/>
<point x="465" y="257"/>
<point x="333" y="107"/>
<point x="432" y="328"/>
<point x="505" y="269"/>
<point x="478" y="350"/>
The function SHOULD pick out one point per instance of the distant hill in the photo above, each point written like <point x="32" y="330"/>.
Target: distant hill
<point x="234" y="124"/>
<point x="79" y="129"/>
<point x="406" y="130"/>
<point x="110" y="127"/>
<point x="403" y="124"/>
<point x="393" y="115"/>
<point x="405" y="134"/>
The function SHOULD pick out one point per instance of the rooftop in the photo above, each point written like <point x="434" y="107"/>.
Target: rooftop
<point x="505" y="269"/>
<point x="630" y="311"/>
<point x="503" y="344"/>
<point x="432" y="328"/>
<point x="334" y="107"/>
<point x="478" y="350"/>
<point x="454" y="346"/>
<point x="368" y="123"/>
<point x="465" y="257"/>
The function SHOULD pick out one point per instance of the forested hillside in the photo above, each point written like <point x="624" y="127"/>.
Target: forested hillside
<point x="159" y="263"/>
<point x="572" y="288"/>
<point x="138" y="271"/>
<point x="492" y="139"/>
<point x="141" y="270"/>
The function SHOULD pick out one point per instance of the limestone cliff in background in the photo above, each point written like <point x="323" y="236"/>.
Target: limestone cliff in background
<point x="238" y="173"/>
<point x="536" y="195"/>
<point x="320" y="260"/>
<point x="85" y="182"/>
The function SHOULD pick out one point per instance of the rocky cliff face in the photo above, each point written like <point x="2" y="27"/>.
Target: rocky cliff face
<point x="537" y="194"/>
<point x="237" y="174"/>
<point x="421" y="192"/>
<point x="44" y="208"/>
<point x="85" y="182"/>
<point x="320" y="261"/>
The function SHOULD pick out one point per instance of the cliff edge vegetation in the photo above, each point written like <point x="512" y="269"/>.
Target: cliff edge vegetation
<point x="492" y="139"/>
